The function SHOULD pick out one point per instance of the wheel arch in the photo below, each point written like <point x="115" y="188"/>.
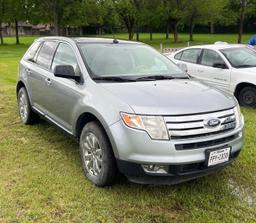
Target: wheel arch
<point x="19" y="85"/>
<point x="240" y="86"/>
<point x="87" y="117"/>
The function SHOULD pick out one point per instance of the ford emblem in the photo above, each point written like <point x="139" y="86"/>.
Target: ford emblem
<point x="212" y="122"/>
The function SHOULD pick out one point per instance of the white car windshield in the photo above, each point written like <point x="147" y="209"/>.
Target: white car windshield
<point x="127" y="61"/>
<point x="240" y="57"/>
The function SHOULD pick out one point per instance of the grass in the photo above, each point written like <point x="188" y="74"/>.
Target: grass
<point x="41" y="178"/>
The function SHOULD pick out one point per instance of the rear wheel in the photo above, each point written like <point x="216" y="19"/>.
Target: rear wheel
<point x="247" y="96"/>
<point x="26" y="113"/>
<point x="96" y="154"/>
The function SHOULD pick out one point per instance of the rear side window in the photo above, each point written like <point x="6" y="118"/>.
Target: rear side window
<point x="32" y="51"/>
<point x="45" y="54"/>
<point x="178" y="56"/>
<point x="210" y="57"/>
<point x="191" y="55"/>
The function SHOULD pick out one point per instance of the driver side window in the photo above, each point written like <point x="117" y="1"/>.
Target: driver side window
<point x="65" y="56"/>
<point x="210" y="57"/>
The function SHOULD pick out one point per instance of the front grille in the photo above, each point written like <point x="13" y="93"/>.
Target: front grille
<point x="208" y="143"/>
<point x="192" y="126"/>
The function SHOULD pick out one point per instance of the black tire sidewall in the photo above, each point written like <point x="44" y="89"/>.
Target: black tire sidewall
<point x="23" y="91"/>
<point x="108" y="169"/>
<point x="245" y="90"/>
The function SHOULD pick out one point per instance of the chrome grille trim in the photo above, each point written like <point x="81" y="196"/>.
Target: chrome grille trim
<point x="189" y="126"/>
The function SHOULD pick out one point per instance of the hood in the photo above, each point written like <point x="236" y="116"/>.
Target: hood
<point x="247" y="70"/>
<point x="170" y="97"/>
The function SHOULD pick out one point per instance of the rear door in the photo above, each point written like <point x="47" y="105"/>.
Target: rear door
<point x="39" y="74"/>
<point x="216" y="77"/>
<point x="188" y="59"/>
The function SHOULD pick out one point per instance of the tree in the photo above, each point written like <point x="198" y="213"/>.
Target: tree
<point x="236" y="12"/>
<point x="15" y="11"/>
<point x="241" y="20"/>
<point x="173" y="11"/>
<point x="2" y="12"/>
<point x="202" y="12"/>
<point x="127" y="13"/>
<point x="151" y="16"/>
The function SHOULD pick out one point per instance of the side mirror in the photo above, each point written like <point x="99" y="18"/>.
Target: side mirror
<point x="183" y="67"/>
<point x="66" y="71"/>
<point x="220" y="65"/>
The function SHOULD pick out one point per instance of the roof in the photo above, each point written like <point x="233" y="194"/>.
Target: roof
<point x="87" y="39"/>
<point x="217" y="46"/>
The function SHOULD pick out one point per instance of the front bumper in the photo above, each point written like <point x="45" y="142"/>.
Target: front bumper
<point x="185" y="158"/>
<point x="176" y="173"/>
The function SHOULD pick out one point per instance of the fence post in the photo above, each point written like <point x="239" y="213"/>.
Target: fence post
<point x="161" y="47"/>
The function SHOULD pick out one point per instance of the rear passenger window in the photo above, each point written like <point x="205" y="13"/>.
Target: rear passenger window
<point x="45" y="54"/>
<point x="178" y="56"/>
<point x="210" y="57"/>
<point x="32" y="51"/>
<point x="191" y="55"/>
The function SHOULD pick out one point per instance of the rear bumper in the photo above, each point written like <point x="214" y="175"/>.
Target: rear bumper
<point x="176" y="173"/>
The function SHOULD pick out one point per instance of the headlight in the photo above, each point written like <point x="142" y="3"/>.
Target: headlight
<point x="238" y="115"/>
<point x="153" y="125"/>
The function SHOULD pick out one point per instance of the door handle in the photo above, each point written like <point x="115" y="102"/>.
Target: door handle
<point x="200" y="71"/>
<point x="48" y="81"/>
<point x="28" y="71"/>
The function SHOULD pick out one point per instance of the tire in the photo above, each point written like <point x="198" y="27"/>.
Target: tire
<point x="96" y="154"/>
<point x="247" y="97"/>
<point x="27" y="115"/>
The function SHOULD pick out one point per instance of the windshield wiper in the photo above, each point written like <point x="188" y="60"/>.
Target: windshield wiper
<point x="245" y="66"/>
<point x="113" y="79"/>
<point x="158" y="77"/>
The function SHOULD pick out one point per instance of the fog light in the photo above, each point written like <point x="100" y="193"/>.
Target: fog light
<point x="152" y="168"/>
<point x="240" y="134"/>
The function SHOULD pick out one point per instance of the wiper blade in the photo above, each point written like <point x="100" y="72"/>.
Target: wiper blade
<point x="154" y="77"/>
<point x="245" y="65"/>
<point x="158" y="77"/>
<point x="113" y="79"/>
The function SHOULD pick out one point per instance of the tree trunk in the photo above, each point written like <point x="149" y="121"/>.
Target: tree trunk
<point x="56" y="19"/>
<point x="212" y="30"/>
<point x="1" y="34"/>
<point x="167" y="31"/>
<point x="191" y="29"/>
<point x="137" y="33"/>
<point x="130" y="32"/>
<point x="66" y="31"/>
<point x="151" y="33"/>
<point x="175" y="32"/>
<point x="17" y="32"/>
<point x="242" y="15"/>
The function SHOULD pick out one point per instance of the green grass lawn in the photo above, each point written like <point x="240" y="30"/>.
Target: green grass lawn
<point x="41" y="178"/>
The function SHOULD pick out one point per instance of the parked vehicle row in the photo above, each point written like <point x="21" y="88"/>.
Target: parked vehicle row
<point x="229" y="67"/>
<point x="130" y="108"/>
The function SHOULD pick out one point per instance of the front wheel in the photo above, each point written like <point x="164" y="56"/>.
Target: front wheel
<point x="247" y="97"/>
<point x="96" y="154"/>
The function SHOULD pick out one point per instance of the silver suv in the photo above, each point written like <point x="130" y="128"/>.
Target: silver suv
<point x="132" y="110"/>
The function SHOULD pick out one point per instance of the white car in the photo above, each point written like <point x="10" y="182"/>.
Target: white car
<point x="229" y="67"/>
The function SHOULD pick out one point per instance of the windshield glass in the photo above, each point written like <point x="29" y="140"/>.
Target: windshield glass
<point x="130" y="61"/>
<point x="241" y="57"/>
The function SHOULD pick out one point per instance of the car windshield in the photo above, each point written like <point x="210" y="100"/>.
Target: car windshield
<point x="130" y="62"/>
<point x="240" y="57"/>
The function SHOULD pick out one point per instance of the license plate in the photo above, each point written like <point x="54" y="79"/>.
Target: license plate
<point x="218" y="156"/>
